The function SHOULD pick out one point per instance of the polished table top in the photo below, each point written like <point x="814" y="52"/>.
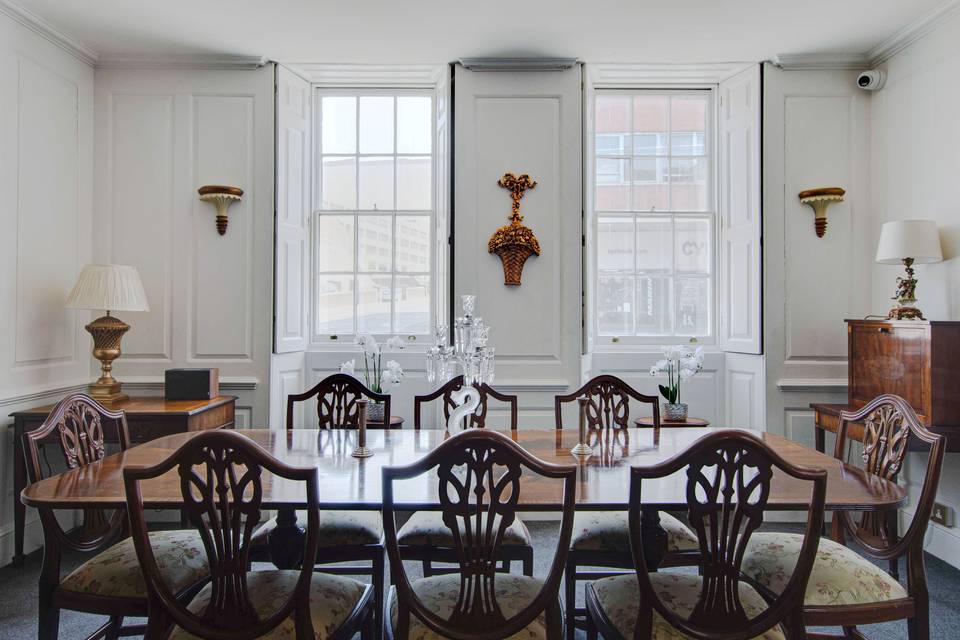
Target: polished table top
<point x="351" y="483"/>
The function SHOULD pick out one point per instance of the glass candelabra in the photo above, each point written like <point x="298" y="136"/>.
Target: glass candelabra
<point x="469" y="352"/>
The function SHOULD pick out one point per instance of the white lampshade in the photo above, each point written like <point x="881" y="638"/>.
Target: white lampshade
<point x="917" y="239"/>
<point x="112" y="287"/>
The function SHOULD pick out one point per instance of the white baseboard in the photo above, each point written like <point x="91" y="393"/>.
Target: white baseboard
<point x="940" y="542"/>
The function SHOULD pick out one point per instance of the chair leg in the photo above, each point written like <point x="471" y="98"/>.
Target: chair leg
<point x="570" y="598"/>
<point x="918" y="627"/>
<point x="378" y="599"/>
<point x="528" y="562"/>
<point x="48" y="623"/>
<point x="113" y="631"/>
<point x="369" y="631"/>
<point x="427" y="568"/>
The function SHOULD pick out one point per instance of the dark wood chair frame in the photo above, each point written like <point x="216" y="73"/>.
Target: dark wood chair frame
<point x="725" y="507"/>
<point x="225" y="509"/>
<point x="889" y="423"/>
<point x="478" y="617"/>
<point x="344" y="391"/>
<point x="79" y="423"/>
<point x="428" y="554"/>
<point x="477" y="419"/>
<point x="608" y="407"/>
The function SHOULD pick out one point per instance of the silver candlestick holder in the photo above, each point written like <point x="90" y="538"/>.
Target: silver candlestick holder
<point x="582" y="449"/>
<point x="361" y="450"/>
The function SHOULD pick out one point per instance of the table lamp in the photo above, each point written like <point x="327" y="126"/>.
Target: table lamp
<point x="113" y="287"/>
<point x="908" y="242"/>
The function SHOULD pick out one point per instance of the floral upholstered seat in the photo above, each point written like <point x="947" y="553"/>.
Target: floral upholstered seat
<point x="440" y="594"/>
<point x="337" y="528"/>
<point x="619" y="598"/>
<point x="427" y="528"/>
<point x="116" y="572"/>
<point x="608" y="531"/>
<point x="332" y="600"/>
<point x="840" y="575"/>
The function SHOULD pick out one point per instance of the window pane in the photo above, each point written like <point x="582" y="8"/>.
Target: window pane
<point x="650" y="117"/>
<point x="375" y="243"/>
<point x="688" y="122"/>
<point x="373" y="303"/>
<point x="376" y="183"/>
<point x="612" y="116"/>
<point x="376" y="124"/>
<point x="412" y="308"/>
<point x="339" y="185"/>
<point x="615" y="305"/>
<point x="335" y="304"/>
<point x="414" y="126"/>
<point x="693" y="306"/>
<point x="613" y="193"/>
<point x="335" y="241"/>
<point x="688" y="188"/>
<point x="414" y="183"/>
<point x="654" y="244"/>
<point x="339" y="124"/>
<point x="650" y="186"/>
<point x="693" y="245"/>
<point x="413" y="243"/>
<point x="654" y="304"/>
<point x="615" y="244"/>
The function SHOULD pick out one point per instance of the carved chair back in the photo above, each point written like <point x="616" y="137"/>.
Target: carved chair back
<point x="477" y="419"/>
<point x="337" y="406"/>
<point x="608" y="403"/>
<point x="479" y="473"/>
<point x="221" y="481"/>
<point x="728" y="484"/>
<point x="78" y="423"/>
<point x="889" y="423"/>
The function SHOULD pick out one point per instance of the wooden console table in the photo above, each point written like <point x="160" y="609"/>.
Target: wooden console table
<point x="148" y="418"/>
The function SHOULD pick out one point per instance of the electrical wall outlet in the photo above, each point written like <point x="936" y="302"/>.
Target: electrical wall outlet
<point x="941" y="514"/>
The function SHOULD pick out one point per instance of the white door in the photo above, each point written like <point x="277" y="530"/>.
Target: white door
<point x="522" y="122"/>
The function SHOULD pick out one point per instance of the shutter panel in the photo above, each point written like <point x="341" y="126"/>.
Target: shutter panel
<point x="740" y="217"/>
<point x="291" y="253"/>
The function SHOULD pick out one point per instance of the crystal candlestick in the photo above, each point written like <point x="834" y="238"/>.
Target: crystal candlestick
<point x="582" y="449"/>
<point x="362" y="451"/>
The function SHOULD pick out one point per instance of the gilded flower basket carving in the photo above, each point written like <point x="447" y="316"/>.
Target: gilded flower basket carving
<point x="514" y="242"/>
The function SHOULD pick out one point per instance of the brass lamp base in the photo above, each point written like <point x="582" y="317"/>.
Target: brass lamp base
<point x="107" y="332"/>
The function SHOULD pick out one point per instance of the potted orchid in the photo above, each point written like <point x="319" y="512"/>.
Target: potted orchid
<point x="378" y="377"/>
<point x="680" y="363"/>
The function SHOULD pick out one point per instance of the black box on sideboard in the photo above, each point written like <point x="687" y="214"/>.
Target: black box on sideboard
<point x="191" y="384"/>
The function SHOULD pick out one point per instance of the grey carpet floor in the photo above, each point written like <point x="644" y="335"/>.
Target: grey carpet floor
<point x="18" y="596"/>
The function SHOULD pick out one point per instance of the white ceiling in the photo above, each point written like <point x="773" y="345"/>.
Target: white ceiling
<point x="413" y="31"/>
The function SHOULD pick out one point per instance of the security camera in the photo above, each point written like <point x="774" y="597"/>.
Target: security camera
<point x="871" y="80"/>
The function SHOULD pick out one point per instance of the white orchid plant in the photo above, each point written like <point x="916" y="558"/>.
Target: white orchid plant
<point x="679" y="362"/>
<point x="378" y="377"/>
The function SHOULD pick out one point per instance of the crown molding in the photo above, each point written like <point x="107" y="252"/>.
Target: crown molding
<point x="822" y="61"/>
<point x="44" y="29"/>
<point x="200" y="61"/>
<point x="909" y="34"/>
<point x="369" y="75"/>
<point x="621" y="75"/>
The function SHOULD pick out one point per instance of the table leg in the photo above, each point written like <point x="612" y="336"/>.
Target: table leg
<point x="19" y="482"/>
<point x="654" y="537"/>
<point x="286" y="540"/>
<point x="820" y="438"/>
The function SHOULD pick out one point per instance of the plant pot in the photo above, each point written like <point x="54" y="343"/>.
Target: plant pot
<point x="375" y="412"/>
<point x="674" y="411"/>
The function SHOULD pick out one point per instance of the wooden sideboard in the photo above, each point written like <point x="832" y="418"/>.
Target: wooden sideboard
<point x="917" y="360"/>
<point x="148" y="418"/>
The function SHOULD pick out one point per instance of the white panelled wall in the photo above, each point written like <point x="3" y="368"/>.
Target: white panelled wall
<point x="46" y="190"/>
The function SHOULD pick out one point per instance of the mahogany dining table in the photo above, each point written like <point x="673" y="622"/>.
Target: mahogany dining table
<point x="346" y="482"/>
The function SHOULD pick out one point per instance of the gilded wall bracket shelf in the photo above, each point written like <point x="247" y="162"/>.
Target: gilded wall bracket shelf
<point x="221" y="197"/>
<point x="514" y="242"/>
<point x="819" y="199"/>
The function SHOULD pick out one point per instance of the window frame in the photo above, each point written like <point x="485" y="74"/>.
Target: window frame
<point x="594" y="341"/>
<point x="435" y="271"/>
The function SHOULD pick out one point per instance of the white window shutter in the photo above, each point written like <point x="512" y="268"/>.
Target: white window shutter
<point x="292" y="249"/>
<point x="740" y="218"/>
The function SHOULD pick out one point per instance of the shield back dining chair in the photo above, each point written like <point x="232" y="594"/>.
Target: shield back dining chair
<point x="423" y="536"/>
<point x="221" y="478"/>
<point x="847" y="589"/>
<point x="729" y="476"/>
<point x="602" y="538"/>
<point x="109" y="583"/>
<point x="478" y="473"/>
